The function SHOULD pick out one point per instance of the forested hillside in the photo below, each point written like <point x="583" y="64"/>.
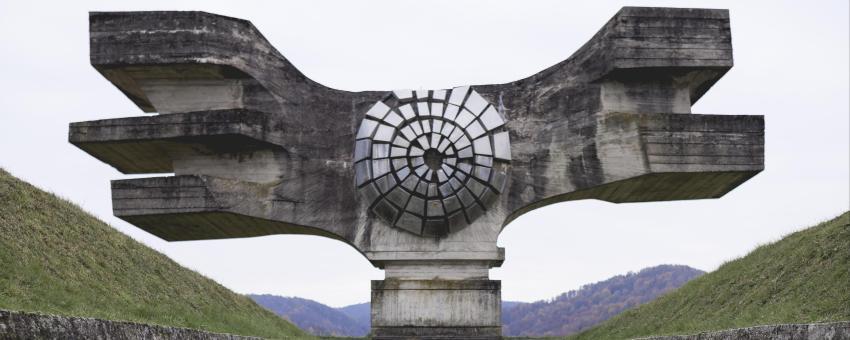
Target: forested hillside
<point x="580" y="309"/>
<point x="360" y="313"/>
<point x="314" y="317"/>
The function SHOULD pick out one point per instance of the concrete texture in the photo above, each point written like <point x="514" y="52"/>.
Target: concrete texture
<point x="815" y="331"/>
<point x="257" y="148"/>
<point x="21" y="325"/>
<point x="424" y="308"/>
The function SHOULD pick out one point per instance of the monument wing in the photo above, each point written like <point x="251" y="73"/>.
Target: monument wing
<point x="258" y="148"/>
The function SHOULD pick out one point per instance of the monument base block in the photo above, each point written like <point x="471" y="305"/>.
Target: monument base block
<point x="436" y="309"/>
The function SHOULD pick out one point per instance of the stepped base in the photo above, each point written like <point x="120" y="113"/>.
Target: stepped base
<point x="436" y="309"/>
<point x="437" y="333"/>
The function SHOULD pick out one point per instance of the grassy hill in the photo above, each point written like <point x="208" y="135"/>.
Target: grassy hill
<point x="55" y="258"/>
<point x="805" y="277"/>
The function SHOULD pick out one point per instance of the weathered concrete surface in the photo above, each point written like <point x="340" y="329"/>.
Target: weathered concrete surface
<point x="423" y="308"/>
<point x="611" y="122"/>
<point x="815" y="331"/>
<point x="21" y="325"/>
<point x="257" y="148"/>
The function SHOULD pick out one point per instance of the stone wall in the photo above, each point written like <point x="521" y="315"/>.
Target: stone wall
<point x="817" y="331"/>
<point x="21" y="325"/>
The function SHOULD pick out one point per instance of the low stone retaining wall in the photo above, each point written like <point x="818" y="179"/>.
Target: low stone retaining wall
<point x="816" y="331"/>
<point x="21" y="325"/>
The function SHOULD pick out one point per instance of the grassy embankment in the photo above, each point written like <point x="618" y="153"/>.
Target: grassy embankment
<point x="55" y="258"/>
<point x="802" y="278"/>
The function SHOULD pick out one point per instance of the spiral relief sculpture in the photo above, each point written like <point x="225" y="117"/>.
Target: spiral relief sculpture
<point x="431" y="162"/>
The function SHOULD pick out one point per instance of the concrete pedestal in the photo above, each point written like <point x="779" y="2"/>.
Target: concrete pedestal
<point x="436" y="309"/>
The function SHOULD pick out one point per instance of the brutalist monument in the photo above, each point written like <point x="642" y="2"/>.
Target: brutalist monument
<point x="420" y="182"/>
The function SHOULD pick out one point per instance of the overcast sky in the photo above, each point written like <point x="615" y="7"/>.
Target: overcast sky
<point x="791" y="65"/>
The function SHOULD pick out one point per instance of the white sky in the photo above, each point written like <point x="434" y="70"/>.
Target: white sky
<point x="791" y="65"/>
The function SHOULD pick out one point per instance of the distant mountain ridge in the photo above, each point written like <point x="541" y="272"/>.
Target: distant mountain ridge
<point x="589" y="305"/>
<point x="360" y="313"/>
<point x="315" y="317"/>
<point x="592" y="304"/>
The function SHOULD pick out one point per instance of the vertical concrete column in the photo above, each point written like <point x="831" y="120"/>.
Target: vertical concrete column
<point x="424" y="296"/>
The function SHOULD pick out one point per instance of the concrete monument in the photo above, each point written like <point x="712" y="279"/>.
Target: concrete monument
<point x="419" y="182"/>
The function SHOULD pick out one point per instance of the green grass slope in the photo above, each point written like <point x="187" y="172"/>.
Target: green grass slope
<point x="57" y="259"/>
<point x="805" y="277"/>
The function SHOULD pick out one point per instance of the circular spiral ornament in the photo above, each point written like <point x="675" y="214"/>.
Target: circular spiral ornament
<point x="431" y="162"/>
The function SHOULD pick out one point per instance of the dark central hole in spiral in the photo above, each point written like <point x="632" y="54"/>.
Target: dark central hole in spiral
<point x="434" y="159"/>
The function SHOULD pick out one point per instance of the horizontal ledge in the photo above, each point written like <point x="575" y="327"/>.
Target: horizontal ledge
<point x="163" y="207"/>
<point x="678" y="48"/>
<point x="676" y="12"/>
<point x="391" y="284"/>
<point x="190" y="124"/>
<point x="683" y="60"/>
<point x="681" y="123"/>
<point x="715" y="131"/>
<point x="212" y="225"/>
<point x="138" y="145"/>
<point x="388" y="256"/>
